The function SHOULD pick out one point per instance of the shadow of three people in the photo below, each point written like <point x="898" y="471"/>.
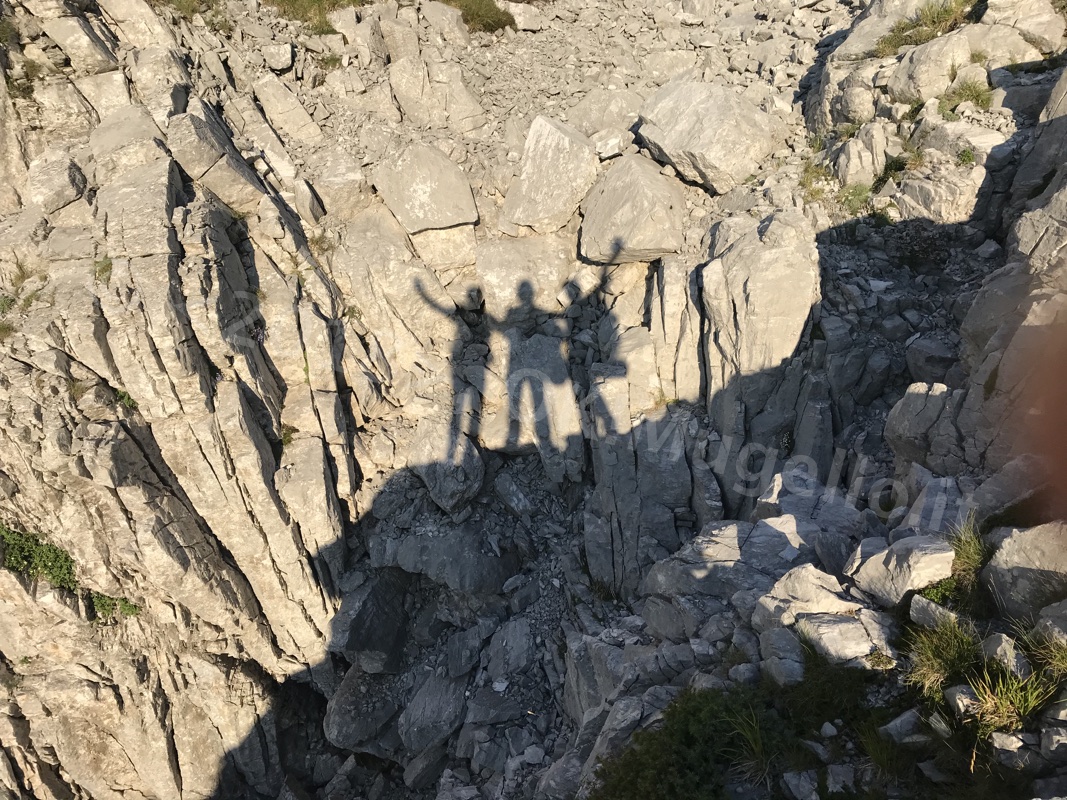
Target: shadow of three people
<point x="522" y="321"/>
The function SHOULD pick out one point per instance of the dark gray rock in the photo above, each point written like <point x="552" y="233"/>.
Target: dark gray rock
<point x="433" y="713"/>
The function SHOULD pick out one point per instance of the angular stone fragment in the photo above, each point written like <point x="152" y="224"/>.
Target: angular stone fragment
<point x="54" y="181"/>
<point x="284" y="110"/>
<point x="210" y="158"/>
<point x="433" y="713"/>
<point x="446" y="20"/>
<point x="371" y="626"/>
<point x="105" y="91"/>
<point x="424" y="190"/>
<point x="81" y="44"/>
<point x="633" y="213"/>
<point x="558" y="167"/>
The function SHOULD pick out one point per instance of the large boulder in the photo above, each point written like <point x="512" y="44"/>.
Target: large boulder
<point x="633" y="213"/>
<point x="433" y="713"/>
<point x="425" y="190"/>
<point x="371" y="627"/>
<point x="53" y="181"/>
<point x="889" y="572"/>
<point x="927" y="70"/>
<point x="460" y="557"/>
<point x="1037" y="19"/>
<point x="1029" y="570"/>
<point x="605" y="108"/>
<point x="88" y="53"/>
<point x="558" y="167"/>
<point x="709" y="133"/>
<point x="728" y="557"/>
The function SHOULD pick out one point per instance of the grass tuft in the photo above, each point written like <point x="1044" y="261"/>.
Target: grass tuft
<point x="887" y="759"/>
<point x="961" y="591"/>
<point x="78" y="388"/>
<point x="691" y="754"/>
<point x="313" y="13"/>
<point x="940" y="654"/>
<point x="1046" y="653"/>
<point x="813" y="180"/>
<point x="483" y="15"/>
<point x="932" y="20"/>
<point x="102" y="270"/>
<point x="976" y="92"/>
<point x="756" y="751"/>
<point x="322" y="245"/>
<point x="1006" y="701"/>
<point x="855" y="198"/>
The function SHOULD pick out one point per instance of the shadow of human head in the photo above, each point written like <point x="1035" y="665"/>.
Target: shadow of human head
<point x="525" y="293"/>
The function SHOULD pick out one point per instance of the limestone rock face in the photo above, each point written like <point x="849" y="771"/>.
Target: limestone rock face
<point x="710" y="134"/>
<point x="1038" y="19"/>
<point x="81" y="44"/>
<point x="754" y="327"/>
<point x="284" y="110"/>
<point x="422" y="409"/>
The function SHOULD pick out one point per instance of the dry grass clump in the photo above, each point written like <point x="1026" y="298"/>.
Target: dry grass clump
<point x="976" y="92"/>
<point x="1006" y="700"/>
<point x="483" y="15"/>
<point x="931" y="21"/>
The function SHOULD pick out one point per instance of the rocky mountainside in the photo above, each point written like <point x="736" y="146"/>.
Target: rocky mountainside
<point x="396" y="411"/>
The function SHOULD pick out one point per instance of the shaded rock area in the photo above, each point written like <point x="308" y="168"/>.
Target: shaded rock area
<point x="422" y="410"/>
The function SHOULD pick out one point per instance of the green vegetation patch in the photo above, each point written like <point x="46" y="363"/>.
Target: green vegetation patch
<point x="1006" y="701"/>
<point x="124" y="398"/>
<point x="483" y="15"/>
<point x="855" y="198"/>
<point x="962" y="591"/>
<point x="710" y="738"/>
<point x="813" y="181"/>
<point x="932" y="20"/>
<point x="705" y="735"/>
<point x="28" y="554"/>
<point x="102" y="269"/>
<point x="287" y="434"/>
<point x="106" y="608"/>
